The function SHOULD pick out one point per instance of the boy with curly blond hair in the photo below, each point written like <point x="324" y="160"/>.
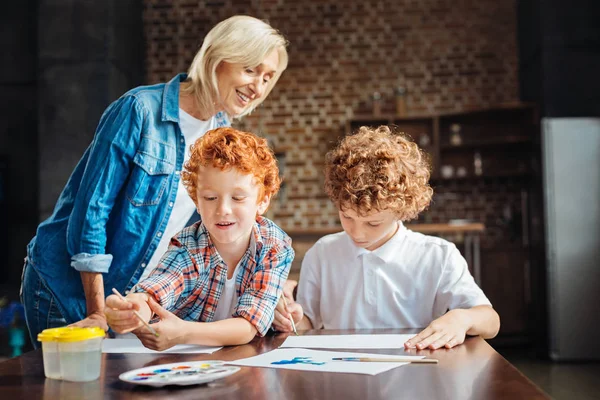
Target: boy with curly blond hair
<point x="377" y="273"/>
<point x="220" y="279"/>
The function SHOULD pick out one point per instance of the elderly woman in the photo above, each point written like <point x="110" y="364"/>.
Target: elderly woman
<point x="125" y="198"/>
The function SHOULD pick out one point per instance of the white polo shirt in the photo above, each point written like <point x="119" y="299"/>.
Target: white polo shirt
<point x="408" y="282"/>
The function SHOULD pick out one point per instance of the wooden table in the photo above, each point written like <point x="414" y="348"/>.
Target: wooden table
<point x="471" y="371"/>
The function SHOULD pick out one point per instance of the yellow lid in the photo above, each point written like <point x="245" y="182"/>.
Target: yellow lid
<point x="51" y="334"/>
<point x="81" y="334"/>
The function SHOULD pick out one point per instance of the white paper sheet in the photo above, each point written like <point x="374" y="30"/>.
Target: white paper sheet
<point x="318" y="360"/>
<point x="348" y="341"/>
<point x="136" y="346"/>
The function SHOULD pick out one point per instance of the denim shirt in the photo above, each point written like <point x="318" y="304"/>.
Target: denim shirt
<point x="115" y="206"/>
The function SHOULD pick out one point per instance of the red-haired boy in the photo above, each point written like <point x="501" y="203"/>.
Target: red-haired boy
<point x="220" y="280"/>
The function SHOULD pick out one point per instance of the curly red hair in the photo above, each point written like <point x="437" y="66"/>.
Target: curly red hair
<point x="376" y="169"/>
<point x="226" y="148"/>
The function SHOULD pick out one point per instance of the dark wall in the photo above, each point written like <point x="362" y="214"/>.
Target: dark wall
<point x="64" y="61"/>
<point x="90" y="53"/>
<point x="559" y="69"/>
<point x="559" y="56"/>
<point x="18" y="138"/>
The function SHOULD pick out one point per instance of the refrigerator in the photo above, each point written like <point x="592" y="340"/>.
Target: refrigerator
<point x="571" y="177"/>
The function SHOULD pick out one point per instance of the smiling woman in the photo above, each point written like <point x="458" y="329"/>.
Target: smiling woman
<point x="125" y="199"/>
<point x="237" y="55"/>
<point x="240" y="85"/>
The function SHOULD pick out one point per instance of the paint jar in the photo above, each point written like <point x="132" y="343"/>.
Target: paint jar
<point x="80" y="354"/>
<point x="455" y="138"/>
<point x="49" y="339"/>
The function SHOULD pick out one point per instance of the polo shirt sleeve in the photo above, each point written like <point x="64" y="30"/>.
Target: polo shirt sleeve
<point x="309" y="287"/>
<point x="457" y="288"/>
<point x="259" y="299"/>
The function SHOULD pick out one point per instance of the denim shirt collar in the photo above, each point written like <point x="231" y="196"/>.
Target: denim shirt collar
<point x="170" y="104"/>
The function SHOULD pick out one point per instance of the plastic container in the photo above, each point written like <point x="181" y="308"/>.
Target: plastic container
<point x="48" y="337"/>
<point x="80" y="354"/>
<point x="72" y="354"/>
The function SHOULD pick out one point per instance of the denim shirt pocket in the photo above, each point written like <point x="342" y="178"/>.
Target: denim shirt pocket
<point x="149" y="179"/>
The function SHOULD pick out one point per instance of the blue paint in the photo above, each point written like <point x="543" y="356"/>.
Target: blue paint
<point x="298" y="360"/>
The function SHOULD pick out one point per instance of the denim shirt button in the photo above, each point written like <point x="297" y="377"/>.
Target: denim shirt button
<point x="182" y="140"/>
<point x="144" y="265"/>
<point x="177" y="172"/>
<point x="159" y="234"/>
<point x="171" y="204"/>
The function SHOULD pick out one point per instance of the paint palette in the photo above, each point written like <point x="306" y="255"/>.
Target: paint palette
<point x="185" y="373"/>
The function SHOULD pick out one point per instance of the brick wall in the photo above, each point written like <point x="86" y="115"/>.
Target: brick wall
<point x="448" y="54"/>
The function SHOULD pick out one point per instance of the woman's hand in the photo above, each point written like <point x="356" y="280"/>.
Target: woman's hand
<point x="119" y="313"/>
<point x="171" y="329"/>
<point x="447" y="331"/>
<point x="96" y="319"/>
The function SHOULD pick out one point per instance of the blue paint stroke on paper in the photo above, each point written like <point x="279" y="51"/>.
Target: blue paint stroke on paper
<point x="298" y="360"/>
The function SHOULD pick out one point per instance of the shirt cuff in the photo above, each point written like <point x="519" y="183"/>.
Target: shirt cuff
<point x="84" y="262"/>
<point x="258" y="323"/>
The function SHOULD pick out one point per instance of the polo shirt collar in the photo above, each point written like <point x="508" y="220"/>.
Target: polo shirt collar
<point x="388" y="252"/>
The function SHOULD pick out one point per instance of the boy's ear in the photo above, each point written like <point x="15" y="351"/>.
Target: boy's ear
<point x="263" y="205"/>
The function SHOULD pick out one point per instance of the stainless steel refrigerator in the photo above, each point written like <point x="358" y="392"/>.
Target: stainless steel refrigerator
<point x="571" y="164"/>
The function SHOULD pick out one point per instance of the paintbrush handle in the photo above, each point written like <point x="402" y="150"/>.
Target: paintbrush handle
<point x="150" y="328"/>
<point x="291" y="319"/>
<point x="397" y="359"/>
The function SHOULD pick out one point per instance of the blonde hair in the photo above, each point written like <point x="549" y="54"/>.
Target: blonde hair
<point x="239" y="39"/>
<point x="376" y="169"/>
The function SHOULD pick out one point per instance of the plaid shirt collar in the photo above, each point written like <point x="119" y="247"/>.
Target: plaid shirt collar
<point x="217" y="269"/>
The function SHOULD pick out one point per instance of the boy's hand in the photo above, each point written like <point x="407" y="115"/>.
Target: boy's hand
<point x="119" y="314"/>
<point x="288" y="290"/>
<point x="447" y="331"/>
<point x="171" y="329"/>
<point x="281" y="322"/>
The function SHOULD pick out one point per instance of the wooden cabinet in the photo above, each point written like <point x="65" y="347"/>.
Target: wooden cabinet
<point x="486" y="168"/>
<point x="501" y="140"/>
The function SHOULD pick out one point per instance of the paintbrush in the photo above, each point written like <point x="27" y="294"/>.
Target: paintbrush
<point x="291" y="319"/>
<point x="397" y="359"/>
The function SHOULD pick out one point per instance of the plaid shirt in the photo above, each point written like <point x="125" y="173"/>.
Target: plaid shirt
<point x="190" y="277"/>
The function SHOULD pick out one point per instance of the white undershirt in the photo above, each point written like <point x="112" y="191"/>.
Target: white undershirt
<point x="229" y="296"/>
<point x="228" y="299"/>
<point x="183" y="207"/>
